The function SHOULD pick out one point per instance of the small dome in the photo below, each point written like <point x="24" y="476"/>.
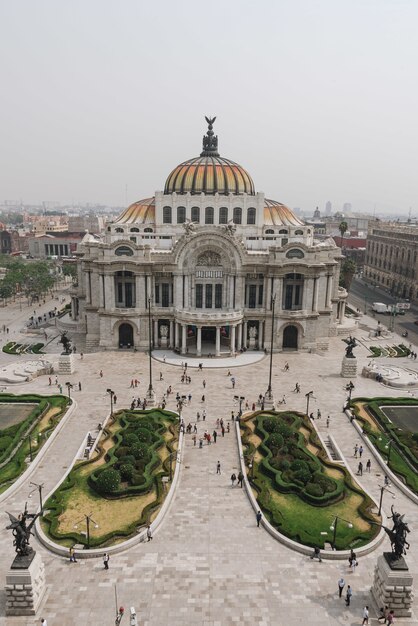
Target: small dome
<point x="209" y="173"/>
<point x="141" y="212"/>
<point x="278" y="214"/>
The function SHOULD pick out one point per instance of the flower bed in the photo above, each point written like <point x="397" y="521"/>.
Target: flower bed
<point x="299" y="490"/>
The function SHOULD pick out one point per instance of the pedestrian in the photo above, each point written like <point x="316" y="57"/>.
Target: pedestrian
<point x="218" y="467"/>
<point x="164" y="358"/>
<point x="161" y="376"/>
<point x="56" y="380"/>
<point x="50" y="381"/>
<point x="360" y="469"/>
<point x="297" y="388"/>
<point x="258" y="518"/>
<point x="229" y="373"/>
<point x="232" y="416"/>
<point x="204" y="383"/>
<point x="81" y="355"/>
<point x="189" y="397"/>
<point x="106" y="559"/>
<point x="43" y="621"/>
<point x="72" y="555"/>
<point x="227" y="428"/>
<point x="383" y="613"/>
<point x="198" y="416"/>
<point x="115" y="398"/>
<point x="368" y="465"/>
<point x="286" y="367"/>
<point x="195" y="428"/>
<point x="215" y="434"/>
<point x="194" y="440"/>
<point x="149" y="533"/>
<point x="360" y="451"/>
<point x="316" y="554"/>
<point x="348" y="595"/>
<point x="203" y="398"/>
<point x="355" y="451"/>
<point x="354" y="565"/>
<point x="79" y="385"/>
<point x="204" y="414"/>
<point x="223" y="431"/>
<point x="365" y="615"/>
<point x="233" y="479"/>
<point x="233" y="382"/>
<point x="60" y="388"/>
<point x="352" y="556"/>
<point x="390" y="618"/>
<point x="341" y="585"/>
<point x="386" y="481"/>
<point x="318" y="414"/>
<point x="101" y="374"/>
<point x="328" y="419"/>
<point x="200" y="442"/>
<point x="240" y="478"/>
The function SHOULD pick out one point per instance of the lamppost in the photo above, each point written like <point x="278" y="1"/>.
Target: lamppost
<point x="349" y="387"/>
<point x="38" y="487"/>
<point x="308" y="396"/>
<point x="333" y="528"/>
<point x="69" y="387"/>
<point x="111" y="394"/>
<point x="383" y="488"/>
<point x="29" y="438"/>
<point x="269" y="394"/>
<point x="89" y="520"/>
<point x="150" y="393"/>
<point x="388" y="447"/>
<point x="241" y="400"/>
<point x="251" y="467"/>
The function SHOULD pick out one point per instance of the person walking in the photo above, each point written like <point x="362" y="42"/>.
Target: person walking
<point x="233" y="382"/>
<point x="328" y="420"/>
<point x="204" y="414"/>
<point x="341" y="585"/>
<point x="101" y="373"/>
<point x="204" y="383"/>
<point x="218" y="467"/>
<point x="43" y="622"/>
<point x="365" y="616"/>
<point x="383" y="613"/>
<point x="233" y="479"/>
<point x="360" y="451"/>
<point x="106" y="559"/>
<point x="72" y="555"/>
<point x="240" y="478"/>
<point x="355" y="450"/>
<point x="390" y="618"/>
<point x="368" y="465"/>
<point x="214" y="435"/>
<point x="149" y="533"/>
<point x="360" y="469"/>
<point x="348" y="596"/>
<point x="258" y="518"/>
<point x="79" y="385"/>
<point x="316" y="554"/>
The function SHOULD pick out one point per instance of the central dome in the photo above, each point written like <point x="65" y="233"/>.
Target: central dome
<point x="209" y="173"/>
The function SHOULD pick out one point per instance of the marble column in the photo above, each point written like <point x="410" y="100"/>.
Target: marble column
<point x="244" y="342"/>
<point x="232" y="346"/>
<point x="218" y="341"/>
<point x="261" y="335"/>
<point x="199" y="341"/>
<point x="183" y="338"/>
<point x="177" y="340"/>
<point x="239" y="337"/>
<point x="171" y="337"/>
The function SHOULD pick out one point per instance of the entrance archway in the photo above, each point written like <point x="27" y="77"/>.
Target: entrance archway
<point x="290" y="338"/>
<point x="126" y="336"/>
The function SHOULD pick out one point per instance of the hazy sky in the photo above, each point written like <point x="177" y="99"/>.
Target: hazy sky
<point x="317" y="99"/>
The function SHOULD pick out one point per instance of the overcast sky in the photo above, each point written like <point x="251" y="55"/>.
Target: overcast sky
<point x="317" y="99"/>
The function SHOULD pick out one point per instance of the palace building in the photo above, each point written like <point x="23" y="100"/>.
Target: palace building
<point x="208" y="264"/>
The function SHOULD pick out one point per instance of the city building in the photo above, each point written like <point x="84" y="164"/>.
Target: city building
<point x="328" y="208"/>
<point x="391" y="258"/>
<point x="57" y="244"/>
<point x="208" y="259"/>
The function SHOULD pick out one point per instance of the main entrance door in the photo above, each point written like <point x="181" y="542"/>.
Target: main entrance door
<point x="290" y="338"/>
<point x="126" y="336"/>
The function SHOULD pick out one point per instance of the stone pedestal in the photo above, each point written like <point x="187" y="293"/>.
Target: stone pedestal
<point x="251" y="343"/>
<point x="150" y="398"/>
<point x="66" y="364"/>
<point x="392" y="587"/>
<point x="163" y="342"/>
<point x="268" y="401"/>
<point x="25" y="585"/>
<point x="349" y="367"/>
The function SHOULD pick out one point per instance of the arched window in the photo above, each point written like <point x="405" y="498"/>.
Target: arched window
<point x="251" y="216"/>
<point x="124" y="251"/>
<point x="167" y="215"/>
<point x="209" y="215"/>
<point x="283" y="231"/>
<point x="237" y="219"/>
<point x="119" y="230"/>
<point x="181" y="214"/>
<point x="134" y="230"/>
<point x="269" y="231"/>
<point x="148" y="230"/>
<point x="298" y="232"/>
<point x="223" y="215"/>
<point x="196" y="214"/>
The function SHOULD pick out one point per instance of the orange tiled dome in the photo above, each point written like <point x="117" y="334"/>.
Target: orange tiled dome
<point x="141" y="212"/>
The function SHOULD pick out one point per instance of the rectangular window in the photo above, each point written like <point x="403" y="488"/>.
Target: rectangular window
<point x="218" y="296"/>
<point x="165" y="294"/>
<point x="252" y="296"/>
<point x="128" y="295"/>
<point x="199" y="296"/>
<point x="297" y="295"/>
<point x="288" y="297"/>
<point x="157" y="294"/>
<point x="120" y="294"/>
<point x="260" y="295"/>
<point x="208" y="297"/>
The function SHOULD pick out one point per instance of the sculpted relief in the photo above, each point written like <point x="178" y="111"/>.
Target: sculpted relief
<point x="209" y="259"/>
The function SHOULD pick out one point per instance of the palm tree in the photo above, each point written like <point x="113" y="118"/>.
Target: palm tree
<point x="343" y="229"/>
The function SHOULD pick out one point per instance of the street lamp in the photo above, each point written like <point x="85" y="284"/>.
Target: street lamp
<point x="383" y="488"/>
<point x="388" y="447"/>
<point x="241" y="400"/>
<point x="251" y="466"/>
<point x="69" y="387"/>
<point x="29" y="439"/>
<point x="150" y="393"/>
<point x="269" y="393"/>
<point x="89" y="520"/>
<point x="111" y="394"/>
<point x="333" y="528"/>
<point x="38" y="487"/>
<point x="349" y="387"/>
<point x="308" y="396"/>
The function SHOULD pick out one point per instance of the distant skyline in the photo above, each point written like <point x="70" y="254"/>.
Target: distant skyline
<point x="317" y="100"/>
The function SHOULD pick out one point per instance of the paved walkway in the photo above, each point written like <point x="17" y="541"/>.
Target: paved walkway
<point x="209" y="565"/>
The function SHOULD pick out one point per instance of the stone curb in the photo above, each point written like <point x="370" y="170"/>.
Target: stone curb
<point x="373" y="450"/>
<point x="289" y="543"/>
<point x="129" y="543"/>
<point x="32" y="467"/>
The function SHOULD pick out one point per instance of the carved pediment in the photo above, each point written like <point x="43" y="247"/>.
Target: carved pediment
<point x="209" y="259"/>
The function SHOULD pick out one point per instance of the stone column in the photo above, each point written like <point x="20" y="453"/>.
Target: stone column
<point x="199" y="341"/>
<point x="177" y="341"/>
<point x="239" y="338"/>
<point x="232" y="346"/>
<point x="244" y="340"/>
<point x="183" y="338"/>
<point x="218" y="341"/>
<point x="315" y="295"/>
<point x="156" y="338"/>
<point x="260" y="336"/>
<point x="171" y="337"/>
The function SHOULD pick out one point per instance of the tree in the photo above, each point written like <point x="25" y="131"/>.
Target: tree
<point x="348" y="269"/>
<point x="343" y="229"/>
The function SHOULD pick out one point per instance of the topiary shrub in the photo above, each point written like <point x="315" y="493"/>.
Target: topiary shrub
<point x="127" y="471"/>
<point x="302" y="475"/>
<point x="130" y="439"/>
<point x="143" y="435"/>
<point x="299" y="465"/>
<point x="108" y="481"/>
<point x="269" y="424"/>
<point x="314" y="489"/>
<point x="275" y="441"/>
<point x="284" y="465"/>
<point x="137" y="479"/>
<point x="139" y="451"/>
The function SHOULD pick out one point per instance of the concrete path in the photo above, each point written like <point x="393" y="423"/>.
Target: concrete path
<point x="209" y="565"/>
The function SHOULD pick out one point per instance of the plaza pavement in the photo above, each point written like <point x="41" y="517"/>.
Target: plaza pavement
<point x="209" y="564"/>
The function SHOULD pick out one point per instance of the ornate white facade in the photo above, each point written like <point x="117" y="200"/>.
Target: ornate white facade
<point x="203" y="259"/>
